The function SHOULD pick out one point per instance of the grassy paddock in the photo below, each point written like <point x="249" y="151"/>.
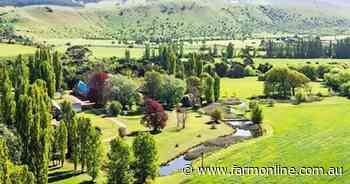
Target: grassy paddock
<point x="12" y="50"/>
<point x="250" y="86"/>
<point x="308" y="135"/>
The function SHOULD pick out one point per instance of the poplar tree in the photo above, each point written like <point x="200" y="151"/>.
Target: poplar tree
<point x="147" y="52"/>
<point x="24" y="122"/>
<point x="62" y="141"/>
<point x="119" y="164"/>
<point x="57" y="66"/>
<point x="68" y="115"/>
<point x="95" y="153"/>
<point x="40" y="132"/>
<point x="7" y="99"/>
<point x="216" y="87"/>
<point x="172" y="62"/>
<point x="75" y="141"/>
<point x="146" y="158"/>
<point x="209" y="89"/>
<point x="199" y="67"/>
<point x="230" y="51"/>
<point x="21" y="78"/>
<point x="84" y="125"/>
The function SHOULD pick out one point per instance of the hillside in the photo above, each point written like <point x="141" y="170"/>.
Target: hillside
<point x="138" y="19"/>
<point x="51" y="2"/>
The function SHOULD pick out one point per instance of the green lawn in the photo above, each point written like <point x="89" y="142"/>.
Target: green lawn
<point x="243" y="88"/>
<point x="308" y="135"/>
<point x="11" y="50"/>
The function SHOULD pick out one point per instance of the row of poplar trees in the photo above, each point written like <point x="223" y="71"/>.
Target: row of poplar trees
<point x="25" y="105"/>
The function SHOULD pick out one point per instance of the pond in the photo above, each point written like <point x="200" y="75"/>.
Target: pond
<point x="174" y="166"/>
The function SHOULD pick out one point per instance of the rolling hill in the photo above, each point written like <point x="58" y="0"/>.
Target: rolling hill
<point x="155" y="19"/>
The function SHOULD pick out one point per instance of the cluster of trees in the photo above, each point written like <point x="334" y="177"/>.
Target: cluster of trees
<point x="170" y="90"/>
<point x="76" y="139"/>
<point x="27" y="111"/>
<point x="307" y="48"/>
<point x="125" y="170"/>
<point x="339" y="80"/>
<point x="165" y="88"/>
<point x="282" y="82"/>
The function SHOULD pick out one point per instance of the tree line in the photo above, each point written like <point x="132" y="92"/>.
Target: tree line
<point x="307" y="48"/>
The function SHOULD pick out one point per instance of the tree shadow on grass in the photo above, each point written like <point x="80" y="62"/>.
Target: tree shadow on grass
<point x="87" y="182"/>
<point x="62" y="175"/>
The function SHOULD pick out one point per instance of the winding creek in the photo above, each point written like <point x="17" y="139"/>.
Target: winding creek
<point x="243" y="131"/>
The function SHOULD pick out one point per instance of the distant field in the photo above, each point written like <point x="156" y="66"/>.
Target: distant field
<point x="107" y="52"/>
<point x="308" y="135"/>
<point x="250" y="86"/>
<point x="11" y="50"/>
<point x="285" y="62"/>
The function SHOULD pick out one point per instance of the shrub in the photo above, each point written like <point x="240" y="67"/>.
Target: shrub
<point x="253" y="104"/>
<point x="261" y="77"/>
<point x="216" y="115"/>
<point x="114" y="108"/>
<point x="300" y="98"/>
<point x="345" y="89"/>
<point x="257" y="115"/>
<point x="249" y="71"/>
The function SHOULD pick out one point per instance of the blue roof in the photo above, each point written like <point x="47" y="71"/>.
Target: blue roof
<point x="83" y="88"/>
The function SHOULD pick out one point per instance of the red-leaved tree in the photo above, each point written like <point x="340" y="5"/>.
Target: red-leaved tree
<point x="99" y="88"/>
<point x="155" y="116"/>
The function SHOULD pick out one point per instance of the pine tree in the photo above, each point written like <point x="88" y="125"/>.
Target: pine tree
<point x="62" y="141"/>
<point x="7" y="99"/>
<point x="119" y="163"/>
<point x="146" y="158"/>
